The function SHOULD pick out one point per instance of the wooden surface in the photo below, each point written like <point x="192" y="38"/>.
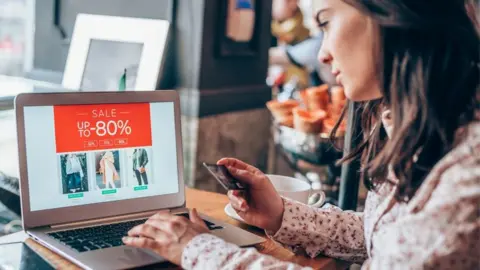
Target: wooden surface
<point x="211" y="204"/>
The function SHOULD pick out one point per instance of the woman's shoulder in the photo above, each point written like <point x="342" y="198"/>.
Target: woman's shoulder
<point x="464" y="158"/>
<point x="457" y="175"/>
<point x="467" y="147"/>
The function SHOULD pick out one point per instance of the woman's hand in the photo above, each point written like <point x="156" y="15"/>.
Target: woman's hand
<point x="260" y="205"/>
<point x="166" y="234"/>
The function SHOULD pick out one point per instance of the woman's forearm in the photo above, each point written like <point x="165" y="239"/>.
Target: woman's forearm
<point x="328" y="231"/>
<point x="207" y="251"/>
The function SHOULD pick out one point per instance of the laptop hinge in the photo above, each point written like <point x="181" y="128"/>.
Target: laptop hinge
<point x="107" y="220"/>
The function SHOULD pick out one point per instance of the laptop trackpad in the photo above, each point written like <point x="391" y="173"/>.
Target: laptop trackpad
<point x="121" y="258"/>
<point x="135" y="255"/>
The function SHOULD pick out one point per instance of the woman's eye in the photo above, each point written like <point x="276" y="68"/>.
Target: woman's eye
<point x="323" y="25"/>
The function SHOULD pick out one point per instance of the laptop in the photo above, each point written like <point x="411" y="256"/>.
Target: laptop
<point x="95" y="164"/>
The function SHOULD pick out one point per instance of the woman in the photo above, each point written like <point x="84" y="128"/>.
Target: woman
<point x="107" y="167"/>
<point x="414" y="65"/>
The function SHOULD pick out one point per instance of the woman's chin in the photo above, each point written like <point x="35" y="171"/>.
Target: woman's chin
<point x="357" y="94"/>
<point x="352" y="93"/>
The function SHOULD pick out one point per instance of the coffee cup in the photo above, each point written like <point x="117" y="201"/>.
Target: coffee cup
<point x="297" y="190"/>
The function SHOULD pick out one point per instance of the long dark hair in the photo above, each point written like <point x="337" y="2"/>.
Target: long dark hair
<point x="430" y="83"/>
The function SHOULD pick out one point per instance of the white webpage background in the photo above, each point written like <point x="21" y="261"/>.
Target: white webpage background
<point x="42" y="161"/>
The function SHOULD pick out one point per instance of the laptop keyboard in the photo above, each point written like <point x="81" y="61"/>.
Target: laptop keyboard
<point x="104" y="236"/>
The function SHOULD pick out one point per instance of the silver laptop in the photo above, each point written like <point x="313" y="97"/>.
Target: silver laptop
<point x="93" y="165"/>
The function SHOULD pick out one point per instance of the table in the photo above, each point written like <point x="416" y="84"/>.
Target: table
<point x="211" y="204"/>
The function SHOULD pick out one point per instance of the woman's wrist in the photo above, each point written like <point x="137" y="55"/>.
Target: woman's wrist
<point x="278" y="219"/>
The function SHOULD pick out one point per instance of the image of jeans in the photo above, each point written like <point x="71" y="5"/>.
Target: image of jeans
<point x="141" y="176"/>
<point x="74" y="181"/>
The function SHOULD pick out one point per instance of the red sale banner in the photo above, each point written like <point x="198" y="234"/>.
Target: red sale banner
<point x="103" y="126"/>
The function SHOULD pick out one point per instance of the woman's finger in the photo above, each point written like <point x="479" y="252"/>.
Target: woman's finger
<point x="163" y="215"/>
<point x="233" y="162"/>
<point x="174" y="227"/>
<point x="232" y="194"/>
<point x="238" y="193"/>
<point x="238" y="203"/>
<point x="140" y="242"/>
<point x="167" y="225"/>
<point x="243" y="176"/>
<point x="239" y="208"/>
<point x="237" y="199"/>
<point x="196" y="219"/>
<point x="236" y="163"/>
<point x="144" y="230"/>
<point x="245" y="215"/>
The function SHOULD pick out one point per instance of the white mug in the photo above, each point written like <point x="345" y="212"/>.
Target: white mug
<point x="295" y="189"/>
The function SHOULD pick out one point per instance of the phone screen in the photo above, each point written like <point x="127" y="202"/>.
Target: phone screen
<point x="222" y="175"/>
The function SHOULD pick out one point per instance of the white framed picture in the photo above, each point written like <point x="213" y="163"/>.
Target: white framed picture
<point x="109" y="53"/>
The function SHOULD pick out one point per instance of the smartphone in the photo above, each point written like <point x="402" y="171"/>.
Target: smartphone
<point x="222" y="175"/>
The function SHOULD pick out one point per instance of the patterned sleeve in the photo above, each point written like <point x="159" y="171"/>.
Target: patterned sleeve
<point x="207" y="251"/>
<point x="441" y="231"/>
<point x="329" y="231"/>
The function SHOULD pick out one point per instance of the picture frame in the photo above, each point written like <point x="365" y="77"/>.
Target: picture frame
<point x="230" y="14"/>
<point x="106" y="50"/>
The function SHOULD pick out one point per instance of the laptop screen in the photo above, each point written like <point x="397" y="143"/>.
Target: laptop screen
<point x="85" y="154"/>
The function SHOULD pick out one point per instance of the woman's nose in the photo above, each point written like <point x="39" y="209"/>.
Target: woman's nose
<point x="324" y="57"/>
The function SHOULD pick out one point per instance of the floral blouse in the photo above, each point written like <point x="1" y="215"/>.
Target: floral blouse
<point x="439" y="228"/>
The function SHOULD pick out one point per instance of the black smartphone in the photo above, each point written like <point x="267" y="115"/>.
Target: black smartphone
<point x="222" y="175"/>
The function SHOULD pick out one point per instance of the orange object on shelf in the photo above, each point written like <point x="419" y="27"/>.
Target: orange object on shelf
<point x="287" y="122"/>
<point x="335" y="109"/>
<point x="282" y="110"/>
<point x="308" y="122"/>
<point x="317" y="97"/>
<point x="329" y="124"/>
<point x="304" y="97"/>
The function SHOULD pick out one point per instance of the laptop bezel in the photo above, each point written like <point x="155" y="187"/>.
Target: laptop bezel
<point x="32" y="219"/>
